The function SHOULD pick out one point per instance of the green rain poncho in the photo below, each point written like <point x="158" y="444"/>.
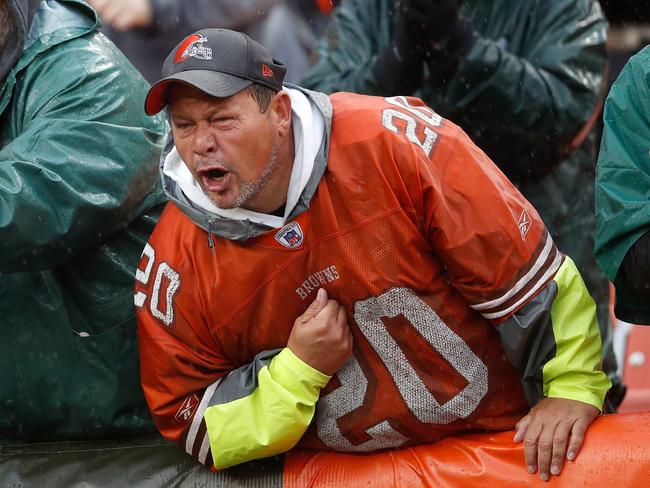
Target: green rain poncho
<point x="78" y="199"/>
<point x="623" y="180"/>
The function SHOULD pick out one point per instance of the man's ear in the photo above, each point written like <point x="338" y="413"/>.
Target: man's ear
<point x="281" y="106"/>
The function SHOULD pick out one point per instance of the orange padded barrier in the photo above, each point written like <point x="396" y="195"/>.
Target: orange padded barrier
<point x="616" y="452"/>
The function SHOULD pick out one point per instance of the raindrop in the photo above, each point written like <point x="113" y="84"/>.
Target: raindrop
<point x="637" y="358"/>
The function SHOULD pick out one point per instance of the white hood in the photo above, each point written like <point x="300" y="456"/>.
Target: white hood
<point x="308" y="132"/>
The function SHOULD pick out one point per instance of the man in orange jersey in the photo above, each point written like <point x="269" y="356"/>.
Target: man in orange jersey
<point x="350" y="273"/>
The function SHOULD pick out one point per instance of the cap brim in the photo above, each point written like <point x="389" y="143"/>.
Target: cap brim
<point x="211" y="82"/>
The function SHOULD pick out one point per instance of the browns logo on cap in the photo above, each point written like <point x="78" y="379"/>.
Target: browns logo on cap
<point x="191" y="46"/>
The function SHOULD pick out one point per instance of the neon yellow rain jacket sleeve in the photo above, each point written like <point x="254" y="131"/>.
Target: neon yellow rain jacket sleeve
<point x="248" y="421"/>
<point x="554" y="341"/>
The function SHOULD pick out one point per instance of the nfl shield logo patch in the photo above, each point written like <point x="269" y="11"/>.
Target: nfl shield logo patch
<point x="290" y="235"/>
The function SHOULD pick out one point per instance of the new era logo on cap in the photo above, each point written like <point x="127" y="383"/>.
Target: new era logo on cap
<point x="266" y="71"/>
<point x="219" y="62"/>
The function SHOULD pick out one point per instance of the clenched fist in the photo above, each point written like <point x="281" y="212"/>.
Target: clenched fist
<point x="321" y="335"/>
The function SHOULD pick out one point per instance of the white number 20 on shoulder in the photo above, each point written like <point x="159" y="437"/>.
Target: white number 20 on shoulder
<point x="425" y="114"/>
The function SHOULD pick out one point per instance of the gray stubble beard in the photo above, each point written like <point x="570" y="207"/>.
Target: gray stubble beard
<point x="250" y="189"/>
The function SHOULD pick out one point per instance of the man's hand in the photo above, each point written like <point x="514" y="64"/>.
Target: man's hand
<point x="123" y="15"/>
<point x="321" y="336"/>
<point x="546" y="430"/>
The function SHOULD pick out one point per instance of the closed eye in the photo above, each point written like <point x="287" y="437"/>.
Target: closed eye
<point x="222" y="120"/>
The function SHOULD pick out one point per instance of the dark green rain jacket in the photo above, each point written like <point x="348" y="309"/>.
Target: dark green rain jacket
<point x="531" y="80"/>
<point x="79" y="197"/>
<point x="623" y="179"/>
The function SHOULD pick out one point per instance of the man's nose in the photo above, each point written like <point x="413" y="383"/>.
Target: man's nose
<point x="205" y="141"/>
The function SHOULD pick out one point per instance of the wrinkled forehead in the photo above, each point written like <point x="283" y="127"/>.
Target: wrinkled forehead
<point x="182" y="95"/>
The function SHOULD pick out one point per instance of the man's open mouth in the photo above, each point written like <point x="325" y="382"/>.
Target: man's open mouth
<point x="214" y="173"/>
<point x="215" y="179"/>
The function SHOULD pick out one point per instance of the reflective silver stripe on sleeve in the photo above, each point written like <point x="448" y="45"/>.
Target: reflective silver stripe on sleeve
<point x="521" y="284"/>
<point x="552" y="269"/>
<point x="198" y="417"/>
<point x="205" y="447"/>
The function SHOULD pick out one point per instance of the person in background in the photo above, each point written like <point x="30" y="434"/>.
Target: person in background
<point x="316" y="12"/>
<point x="79" y="195"/>
<point x="622" y="245"/>
<point x="349" y="273"/>
<point x="525" y="79"/>
<point x="145" y="30"/>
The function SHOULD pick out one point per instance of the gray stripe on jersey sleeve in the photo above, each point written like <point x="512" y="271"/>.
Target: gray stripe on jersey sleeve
<point x="241" y="382"/>
<point x="529" y="342"/>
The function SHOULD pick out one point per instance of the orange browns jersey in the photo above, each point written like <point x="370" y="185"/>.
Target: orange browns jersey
<point x="422" y="239"/>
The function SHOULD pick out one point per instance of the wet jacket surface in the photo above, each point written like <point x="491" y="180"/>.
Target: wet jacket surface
<point x="530" y="81"/>
<point x="78" y="198"/>
<point x="623" y="182"/>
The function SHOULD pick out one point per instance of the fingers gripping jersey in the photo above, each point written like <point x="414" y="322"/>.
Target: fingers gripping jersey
<point x="414" y="231"/>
